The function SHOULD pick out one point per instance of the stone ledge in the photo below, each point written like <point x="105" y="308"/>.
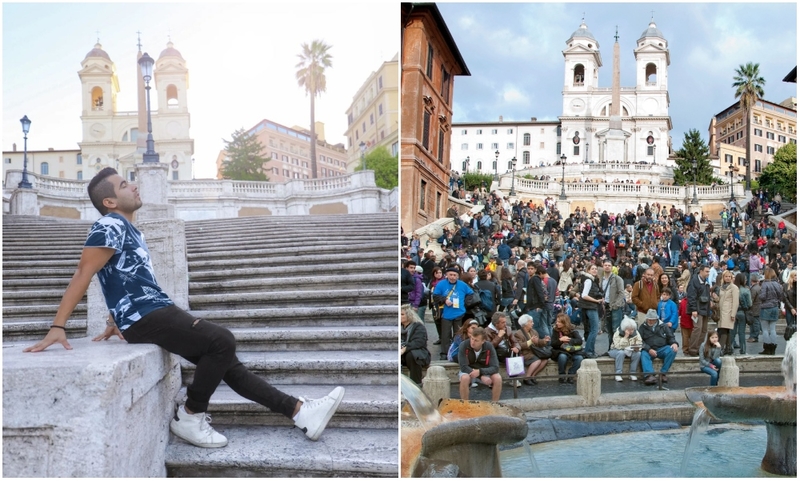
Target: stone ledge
<point x="99" y="410"/>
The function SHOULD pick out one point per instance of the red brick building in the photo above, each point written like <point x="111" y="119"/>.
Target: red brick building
<point x="429" y="62"/>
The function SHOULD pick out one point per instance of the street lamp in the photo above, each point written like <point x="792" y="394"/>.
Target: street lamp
<point x="586" y="152"/>
<point x="512" y="193"/>
<point x="466" y="165"/>
<point x="363" y="148"/>
<point x="731" y="170"/>
<point x="496" y="155"/>
<point x="146" y="66"/>
<point x="654" y="155"/>
<point x="563" y="195"/>
<point x="26" y="127"/>
<point x="694" y="171"/>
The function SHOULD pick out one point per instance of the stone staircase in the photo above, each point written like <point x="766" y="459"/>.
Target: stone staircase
<point x="312" y="302"/>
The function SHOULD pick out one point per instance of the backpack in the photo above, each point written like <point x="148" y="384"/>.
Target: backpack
<point x="621" y="242"/>
<point x="452" y="353"/>
<point x="487" y="300"/>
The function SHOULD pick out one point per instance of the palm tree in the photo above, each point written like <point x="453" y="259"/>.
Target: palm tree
<point x="311" y="75"/>
<point x="749" y="87"/>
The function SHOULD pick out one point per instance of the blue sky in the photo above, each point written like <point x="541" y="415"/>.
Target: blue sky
<point x="241" y="60"/>
<point x="513" y="51"/>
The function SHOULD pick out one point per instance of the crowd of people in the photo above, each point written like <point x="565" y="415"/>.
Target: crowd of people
<point x="546" y="272"/>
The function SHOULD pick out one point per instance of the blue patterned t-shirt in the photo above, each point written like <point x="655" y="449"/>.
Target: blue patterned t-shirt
<point x="128" y="281"/>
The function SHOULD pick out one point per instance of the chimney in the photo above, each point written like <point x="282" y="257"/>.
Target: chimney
<point x="501" y="118"/>
<point x="533" y="119"/>
<point x="50" y="149"/>
<point x="320" y="131"/>
<point x="14" y="146"/>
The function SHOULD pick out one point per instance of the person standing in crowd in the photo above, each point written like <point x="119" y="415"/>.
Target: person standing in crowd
<point x="645" y="294"/>
<point x="699" y="296"/>
<point x="453" y="294"/>
<point x="728" y="295"/>
<point x="771" y="296"/>
<point x="614" y="299"/>
<point x="590" y="301"/>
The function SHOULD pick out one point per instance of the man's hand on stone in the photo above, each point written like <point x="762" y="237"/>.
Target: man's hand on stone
<point x="110" y="331"/>
<point x="55" y="335"/>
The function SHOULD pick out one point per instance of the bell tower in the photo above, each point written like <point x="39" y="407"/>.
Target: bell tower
<point x="652" y="59"/>
<point x="99" y="89"/>
<point x="171" y="121"/>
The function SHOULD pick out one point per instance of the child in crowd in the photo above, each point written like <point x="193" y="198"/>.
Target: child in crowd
<point x="710" y="353"/>
<point x="667" y="310"/>
<point x="686" y="323"/>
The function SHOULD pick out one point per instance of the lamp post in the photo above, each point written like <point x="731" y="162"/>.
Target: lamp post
<point x="563" y="195"/>
<point x="192" y="168"/>
<point x="654" y="154"/>
<point x="146" y="66"/>
<point x="694" y="171"/>
<point x="496" y="155"/>
<point x="363" y="148"/>
<point x="466" y="165"/>
<point x="26" y="127"/>
<point x="586" y="152"/>
<point x="512" y="193"/>
<point x="731" y="171"/>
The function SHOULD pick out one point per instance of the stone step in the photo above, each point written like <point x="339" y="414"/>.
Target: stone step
<point x="322" y="280"/>
<point x="247" y="239"/>
<point x="293" y="233"/>
<point x="209" y="273"/>
<point x="332" y="338"/>
<point x="321" y="367"/>
<point x="291" y="261"/>
<point x="31" y="297"/>
<point x="40" y="264"/>
<point x="363" y="406"/>
<point x="307" y="316"/>
<point x="38" y="311"/>
<point x="291" y="222"/>
<point x="12" y="285"/>
<point x="282" y="452"/>
<point x="255" y="300"/>
<point x="310" y="247"/>
<point x="39" y="273"/>
<point x="36" y="329"/>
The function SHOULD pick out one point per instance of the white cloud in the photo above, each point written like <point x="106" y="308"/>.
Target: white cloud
<point x="512" y="95"/>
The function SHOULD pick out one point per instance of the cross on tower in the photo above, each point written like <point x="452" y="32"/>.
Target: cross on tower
<point x="616" y="33"/>
<point x="98" y="35"/>
<point x="139" y="40"/>
<point x="652" y="15"/>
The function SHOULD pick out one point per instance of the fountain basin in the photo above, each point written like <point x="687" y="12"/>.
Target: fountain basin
<point x="773" y="405"/>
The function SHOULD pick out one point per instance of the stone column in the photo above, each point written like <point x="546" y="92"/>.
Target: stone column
<point x="436" y="385"/>
<point x="729" y="373"/>
<point x="25" y="202"/>
<point x="589" y="381"/>
<point x="152" y="182"/>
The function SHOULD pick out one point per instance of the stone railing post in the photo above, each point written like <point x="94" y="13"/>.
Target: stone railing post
<point x="436" y="384"/>
<point x="729" y="373"/>
<point x="588" y="385"/>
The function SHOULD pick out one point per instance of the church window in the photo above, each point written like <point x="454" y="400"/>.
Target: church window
<point x="579" y="75"/>
<point x="174" y="175"/>
<point x="134" y="135"/>
<point x="172" y="97"/>
<point x="526" y="139"/>
<point x="45" y="168"/>
<point x="650" y="72"/>
<point x="625" y="112"/>
<point x="79" y="159"/>
<point x="80" y="175"/>
<point x="576" y="150"/>
<point x="125" y="136"/>
<point x="558" y="148"/>
<point x="97" y="98"/>
<point x="526" y="158"/>
<point x="604" y="112"/>
<point x="651" y="150"/>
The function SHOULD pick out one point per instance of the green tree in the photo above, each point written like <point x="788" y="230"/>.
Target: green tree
<point x="245" y="157"/>
<point x="476" y="179"/>
<point x="385" y="166"/>
<point x="780" y="176"/>
<point x="311" y="75"/>
<point x="694" y="147"/>
<point x="749" y="86"/>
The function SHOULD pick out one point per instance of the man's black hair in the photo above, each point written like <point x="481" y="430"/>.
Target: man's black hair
<point x="100" y="188"/>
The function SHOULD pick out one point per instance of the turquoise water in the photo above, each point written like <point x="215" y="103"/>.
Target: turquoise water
<point x="724" y="451"/>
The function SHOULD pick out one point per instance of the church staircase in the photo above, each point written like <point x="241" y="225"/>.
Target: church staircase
<point x="312" y="303"/>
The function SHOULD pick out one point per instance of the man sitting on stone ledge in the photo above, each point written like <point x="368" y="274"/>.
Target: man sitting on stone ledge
<point x="142" y="313"/>
<point x="657" y="341"/>
<point x="477" y="359"/>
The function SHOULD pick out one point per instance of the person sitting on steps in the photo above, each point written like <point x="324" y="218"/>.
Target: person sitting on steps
<point x="143" y="313"/>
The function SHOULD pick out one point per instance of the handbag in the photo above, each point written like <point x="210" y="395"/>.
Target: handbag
<point x="542" y="352"/>
<point x="515" y="365"/>
<point x="789" y="332"/>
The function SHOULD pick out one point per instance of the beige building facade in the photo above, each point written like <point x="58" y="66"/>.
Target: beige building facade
<point x="774" y="125"/>
<point x="288" y="149"/>
<point x="372" y="118"/>
<point x="64" y="164"/>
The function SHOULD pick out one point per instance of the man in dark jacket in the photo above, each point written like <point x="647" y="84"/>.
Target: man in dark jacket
<point x="698" y="293"/>
<point x="407" y="281"/>
<point x="477" y="359"/>
<point x="675" y="248"/>
<point x="537" y="298"/>
<point x="657" y="341"/>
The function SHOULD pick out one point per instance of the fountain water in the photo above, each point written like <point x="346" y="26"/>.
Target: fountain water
<point x="777" y="407"/>
<point x="699" y="424"/>
<point x="460" y="438"/>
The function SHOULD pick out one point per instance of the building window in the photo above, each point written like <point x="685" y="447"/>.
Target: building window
<point x="8" y="160"/>
<point x="79" y="159"/>
<point x="526" y="158"/>
<point x="730" y="139"/>
<point x="558" y="131"/>
<point x="741" y="160"/>
<point x="395" y="148"/>
<point x="494" y="131"/>
<point x="782" y="138"/>
<point x="438" y="205"/>
<point x="495" y="146"/>
<point x="770" y="150"/>
<point x="464" y="146"/>
<point x="479" y="132"/>
<point x="44" y="168"/>
<point x="380" y="110"/>
<point x="363" y="126"/>
<point x="441" y="146"/>
<point x="510" y="145"/>
<point x="463" y="131"/>
<point x="728" y="159"/>
<point x="576" y="150"/>
<point x="174" y="175"/>
<point x="464" y="166"/>
<point x="541" y="145"/>
<point x="125" y="136"/>
<point x="758" y="148"/>
<point x="445" y="85"/>
<point x="285" y="158"/>
<point x="371" y="119"/>
<point x="80" y="175"/>
<point x="526" y="139"/>
<point x="305" y="165"/>
<point x="134" y="135"/>
<point x="429" y="68"/>
<point x="758" y="132"/>
<point x="510" y="131"/>
<point x="510" y="165"/>
<point x="426" y="127"/>
<point x="558" y="148"/>
<point x="423" y="186"/>
<point x="757" y="167"/>
<point x="480" y="166"/>
<point x="771" y="135"/>
<point x="380" y="82"/>
<point x="286" y="173"/>
<point x="650" y="149"/>
<point x="479" y="146"/>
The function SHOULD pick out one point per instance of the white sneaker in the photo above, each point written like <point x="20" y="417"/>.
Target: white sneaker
<point x="634" y="378"/>
<point x="474" y="384"/>
<point x="618" y="378"/>
<point x="518" y="383"/>
<point x="314" y="414"/>
<point x="194" y="429"/>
